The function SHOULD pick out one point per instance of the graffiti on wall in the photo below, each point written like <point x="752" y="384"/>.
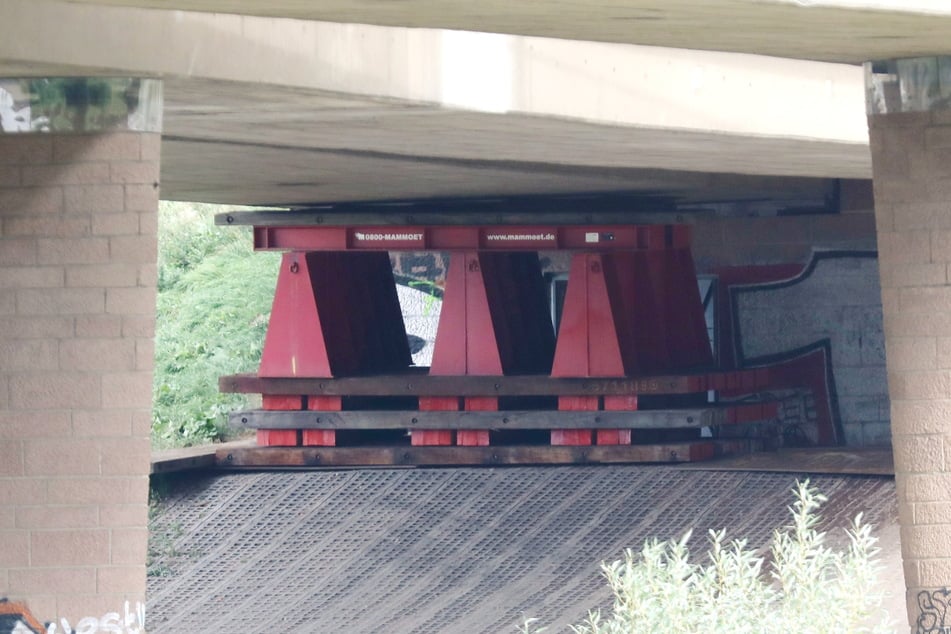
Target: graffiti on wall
<point x="15" y="115"/>
<point x="16" y="618"/>
<point x="831" y="312"/>
<point x="421" y="303"/>
<point x="933" y="613"/>
<point x="80" y="104"/>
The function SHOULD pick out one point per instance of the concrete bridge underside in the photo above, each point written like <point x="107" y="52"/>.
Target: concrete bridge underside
<point x="285" y="111"/>
<point x="294" y="102"/>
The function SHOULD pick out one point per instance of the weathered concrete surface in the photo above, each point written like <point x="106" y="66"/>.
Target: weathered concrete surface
<point x="835" y="30"/>
<point x="235" y="149"/>
<point x="604" y="83"/>
<point x="281" y="111"/>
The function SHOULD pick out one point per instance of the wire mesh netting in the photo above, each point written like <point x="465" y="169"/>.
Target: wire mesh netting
<point x="443" y="550"/>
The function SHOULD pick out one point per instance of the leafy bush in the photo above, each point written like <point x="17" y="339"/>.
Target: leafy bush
<point x="213" y="305"/>
<point x="810" y="588"/>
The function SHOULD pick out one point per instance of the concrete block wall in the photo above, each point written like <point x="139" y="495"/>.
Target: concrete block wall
<point x="719" y="242"/>
<point x="836" y="298"/>
<point x="911" y="156"/>
<point x="78" y="225"/>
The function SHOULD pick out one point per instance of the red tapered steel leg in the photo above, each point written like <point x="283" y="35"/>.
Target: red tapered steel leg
<point x="465" y="338"/>
<point x="464" y="320"/>
<point x="294" y="344"/>
<point x="493" y="322"/>
<point x="334" y="314"/>
<point x="587" y="343"/>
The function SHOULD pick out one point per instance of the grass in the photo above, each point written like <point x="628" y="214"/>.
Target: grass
<point x="162" y="538"/>
<point x="164" y="557"/>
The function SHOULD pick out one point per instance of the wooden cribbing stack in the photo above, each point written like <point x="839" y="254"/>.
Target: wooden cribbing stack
<point x="632" y="327"/>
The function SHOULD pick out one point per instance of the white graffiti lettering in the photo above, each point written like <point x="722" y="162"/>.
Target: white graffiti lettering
<point x="131" y="622"/>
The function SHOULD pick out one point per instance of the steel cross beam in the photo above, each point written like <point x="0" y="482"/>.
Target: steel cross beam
<point x="599" y="238"/>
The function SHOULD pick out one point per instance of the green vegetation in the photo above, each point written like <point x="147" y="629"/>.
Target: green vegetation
<point x="162" y="538"/>
<point x="810" y="587"/>
<point x="164" y="558"/>
<point x="214" y="299"/>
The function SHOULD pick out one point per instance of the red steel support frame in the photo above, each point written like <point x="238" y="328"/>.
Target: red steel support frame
<point x="597" y="238"/>
<point x="629" y="313"/>
<point x="464" y="345"/>
<point x="334" y="314"/>
<point x="631" y="309"/>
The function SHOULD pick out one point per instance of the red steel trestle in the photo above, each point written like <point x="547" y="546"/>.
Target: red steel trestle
<point x="494" y="321"/>
<point x="629" y="313"/>
<point x="334" y="314"/>
<point x="631" y="309"/>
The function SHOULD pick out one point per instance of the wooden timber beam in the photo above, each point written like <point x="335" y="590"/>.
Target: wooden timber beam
<point x="420" y="384"/>
<point x="498" y="420"/>
<point x="534" y="419"/>
<point x="333" y="457"/>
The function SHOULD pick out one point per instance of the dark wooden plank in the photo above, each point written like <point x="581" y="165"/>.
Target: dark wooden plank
<point x="420" y="384"/>
<point x="462" y="456"/>
<point x="536" y="419"/>
<point x="183" y="463"/>
<point x="191" y="458"/>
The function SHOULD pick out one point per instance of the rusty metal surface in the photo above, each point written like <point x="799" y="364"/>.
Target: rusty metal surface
<point x="441" y="550"/>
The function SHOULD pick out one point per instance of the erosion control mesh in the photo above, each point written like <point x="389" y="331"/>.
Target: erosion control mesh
<point x="442" y="550"/>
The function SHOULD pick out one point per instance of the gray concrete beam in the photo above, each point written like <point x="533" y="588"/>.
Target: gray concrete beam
<point x="831" y="30"/>
<point x="280" y="110"/>
<point x="618" y="85"/>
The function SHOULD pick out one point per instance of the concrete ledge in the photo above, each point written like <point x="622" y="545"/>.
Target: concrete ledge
<point x="824" y="460"/>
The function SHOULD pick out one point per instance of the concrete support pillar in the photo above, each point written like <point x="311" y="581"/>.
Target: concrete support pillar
<point x="79" y="170"/>
<point x="910" y="129"/>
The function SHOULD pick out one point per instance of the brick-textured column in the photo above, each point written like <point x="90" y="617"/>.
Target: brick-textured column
<point x="78" y="243"/>
<point x="911" y="157"/>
